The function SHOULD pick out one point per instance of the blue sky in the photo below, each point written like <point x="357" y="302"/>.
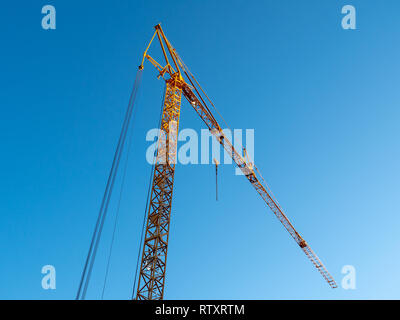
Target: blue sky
<point x="323" y="102"/>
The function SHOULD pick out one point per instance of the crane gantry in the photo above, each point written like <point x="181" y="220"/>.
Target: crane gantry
<point x="180" y="81"/>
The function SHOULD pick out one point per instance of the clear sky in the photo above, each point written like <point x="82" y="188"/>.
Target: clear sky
<point x="324" y="104"/>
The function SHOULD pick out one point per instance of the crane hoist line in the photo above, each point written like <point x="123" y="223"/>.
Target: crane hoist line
<point x="181" y="82"/>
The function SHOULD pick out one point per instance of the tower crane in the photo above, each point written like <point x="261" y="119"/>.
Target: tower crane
<point x="180" y="81"/>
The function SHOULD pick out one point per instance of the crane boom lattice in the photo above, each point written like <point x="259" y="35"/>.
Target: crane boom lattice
<point x="180" y="81"/>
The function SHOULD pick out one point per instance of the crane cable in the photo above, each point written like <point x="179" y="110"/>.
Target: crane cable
<point x="147" y="201"/>
<point x="192" y="76"/>
<point x="119" y="204"/>
<point x="216" y="178"/>
<point x="216" y="182"/>
<point x="91" y="256"/>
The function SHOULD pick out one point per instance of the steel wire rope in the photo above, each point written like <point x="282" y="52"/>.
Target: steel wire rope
<point x="119" y="202"/>
<point x="91" y="256"/>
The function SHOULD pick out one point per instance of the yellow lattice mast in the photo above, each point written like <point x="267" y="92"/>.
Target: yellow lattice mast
<point x="154" y="254"/>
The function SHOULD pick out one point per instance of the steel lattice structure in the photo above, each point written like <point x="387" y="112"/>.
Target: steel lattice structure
<point x="180" y="81"/>
<point x="154" y="256"/>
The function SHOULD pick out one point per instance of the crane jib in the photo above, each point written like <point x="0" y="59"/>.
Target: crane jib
<point x="215" y="129"/>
